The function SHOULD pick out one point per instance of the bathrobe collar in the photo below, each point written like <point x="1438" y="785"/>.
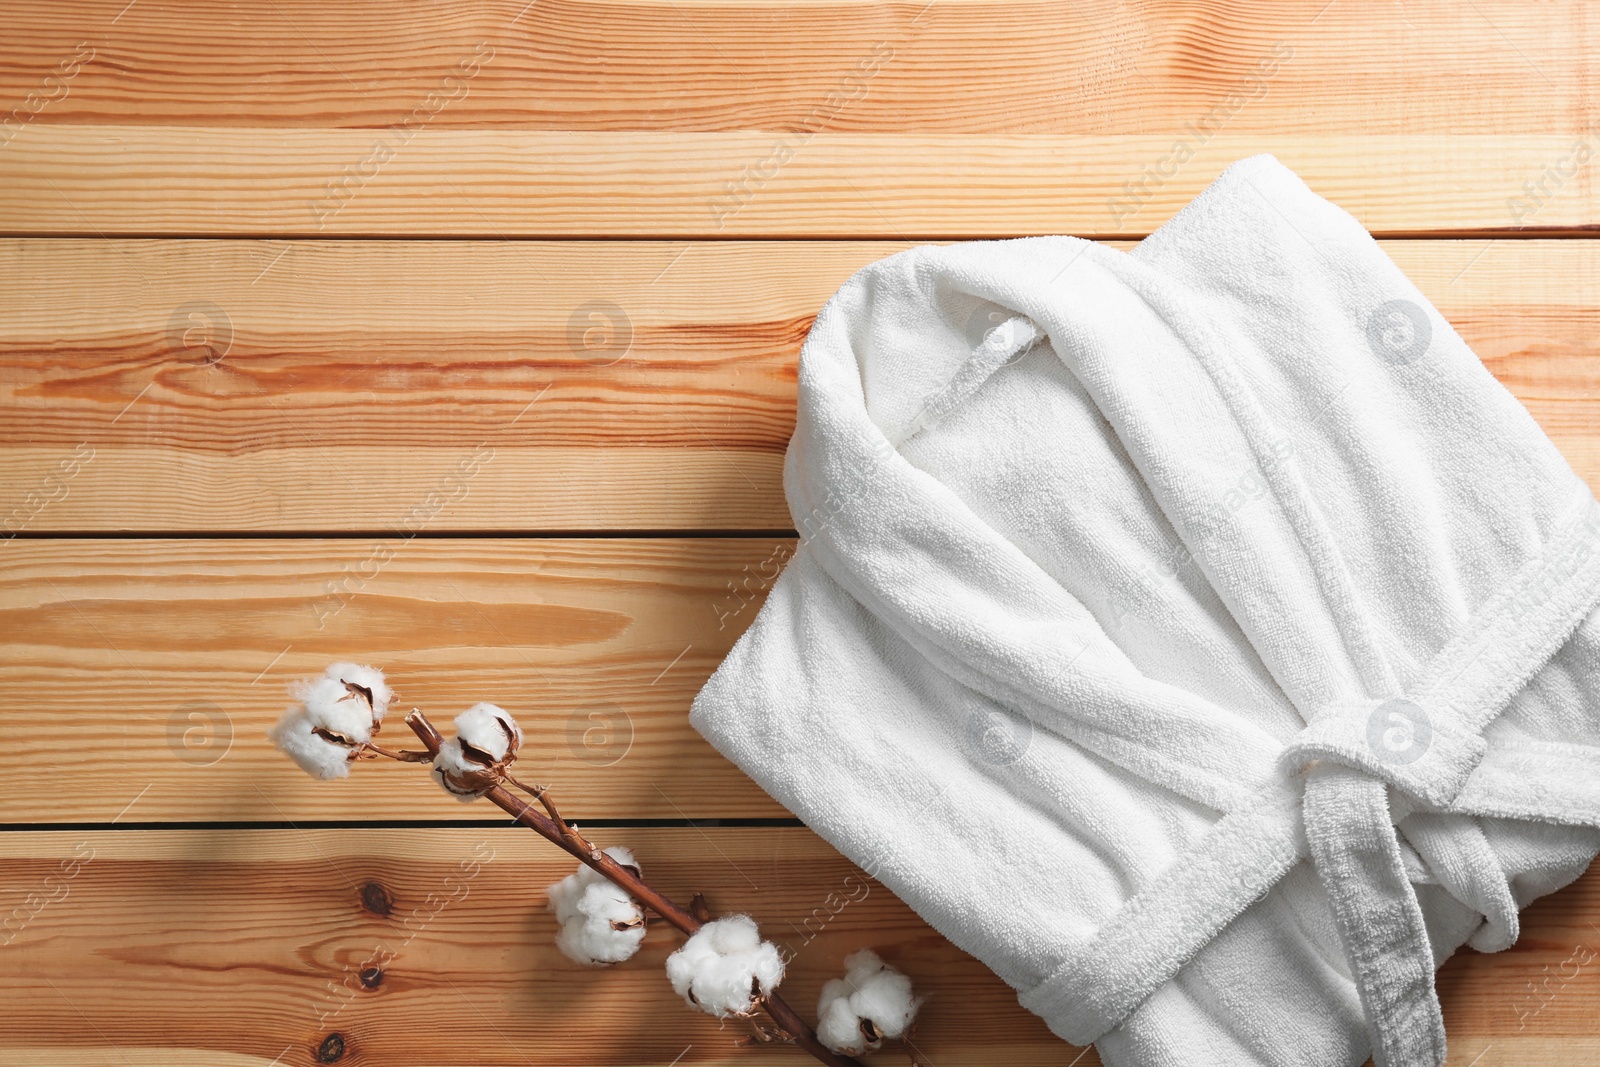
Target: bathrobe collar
<point x="884" y="361"/>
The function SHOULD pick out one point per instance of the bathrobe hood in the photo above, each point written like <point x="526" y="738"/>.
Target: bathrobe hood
<point x="1199" y="635"/>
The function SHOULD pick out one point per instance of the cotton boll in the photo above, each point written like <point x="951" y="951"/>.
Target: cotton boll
<point x="369" y="679"/>
<point x="721" y="967"/>
<point x="882" y="994"/>
<point x="623" y="855"/>
<point x="599" y="922"/>
<point x="872" y="1002"/>
<point x="461" y="777"/>
<point x="474" y="761"/>
<point x="565" y="893"/>
<point x="334" y="708"/>
<point x="295" y="734"/>
<point x="839" y="1027"/>
<point x="606" y="926"/>
<point x="490" y="730"/>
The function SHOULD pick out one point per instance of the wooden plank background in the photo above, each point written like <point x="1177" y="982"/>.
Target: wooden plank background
<point x="462" y="339"/>
<point x="334" y="385"/>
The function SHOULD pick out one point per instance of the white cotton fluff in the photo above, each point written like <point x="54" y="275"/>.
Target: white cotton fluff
<point x="459" y="776"/>
<point x="599" y="923"/>
<point x="489" y="729"/>
<point x="337" y="708"/>
<point x="473" y="762"/>
<point x="717" y="969"/>
<point x="317" y="756"/>
<point x="873" y="1001"/>
<point x="368" y="678"/>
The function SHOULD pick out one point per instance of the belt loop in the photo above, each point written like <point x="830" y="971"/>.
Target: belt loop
<point x="1397" y="740"/>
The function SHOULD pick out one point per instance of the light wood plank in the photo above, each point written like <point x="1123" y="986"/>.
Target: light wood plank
<point x="1023" y="66"/>
<point x="311" y="368"/>
<point x="152" y="669"/>
<point x="255" y="941"/>
<point x="355" y="377"/>
<point x="237" y="947"/>
<point x="104" y="180"/>
<point x="725" y="119"/>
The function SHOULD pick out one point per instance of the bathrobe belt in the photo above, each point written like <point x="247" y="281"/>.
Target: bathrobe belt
<point x="1360" y="766"/>
<point x="1354" y="772"/>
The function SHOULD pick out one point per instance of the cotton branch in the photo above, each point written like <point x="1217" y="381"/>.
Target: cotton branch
<point x="550" y="825"/>
<point x="724" y="969"/>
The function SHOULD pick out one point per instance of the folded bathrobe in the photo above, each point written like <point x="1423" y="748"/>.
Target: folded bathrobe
<point x="1197" y="635"/>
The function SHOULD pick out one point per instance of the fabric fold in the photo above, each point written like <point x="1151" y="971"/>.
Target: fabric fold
<point x="1229" y="585"/>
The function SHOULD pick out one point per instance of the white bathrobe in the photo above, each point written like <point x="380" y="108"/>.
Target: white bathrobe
<point x="1199" y="636"/>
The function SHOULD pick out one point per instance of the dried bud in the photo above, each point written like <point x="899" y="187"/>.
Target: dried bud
<point x="475" y="760"/>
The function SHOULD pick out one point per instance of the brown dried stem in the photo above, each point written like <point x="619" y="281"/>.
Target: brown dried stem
<point x="550" y="825"/>
<point x="542" y="795"/>
<point x="403" y="755"/>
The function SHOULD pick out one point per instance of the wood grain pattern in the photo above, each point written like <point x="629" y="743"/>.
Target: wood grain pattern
<point x="257" y="941"/>
<point x="335" y="385"/>
<point x="341" y="382"/>
<point x="154" y="668"/>
<point x="653" y="118"/>
<point x="957" y="66"/>
<point x="493" y="183"/>
<point x="598" y="335"/>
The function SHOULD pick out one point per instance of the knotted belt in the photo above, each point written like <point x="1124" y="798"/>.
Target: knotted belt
<point x="1374" y="752"/>
<point x="1355" y="771"/>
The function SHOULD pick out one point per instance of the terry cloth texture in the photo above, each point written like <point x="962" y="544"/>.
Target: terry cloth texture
<point x="1198" y="635"/>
